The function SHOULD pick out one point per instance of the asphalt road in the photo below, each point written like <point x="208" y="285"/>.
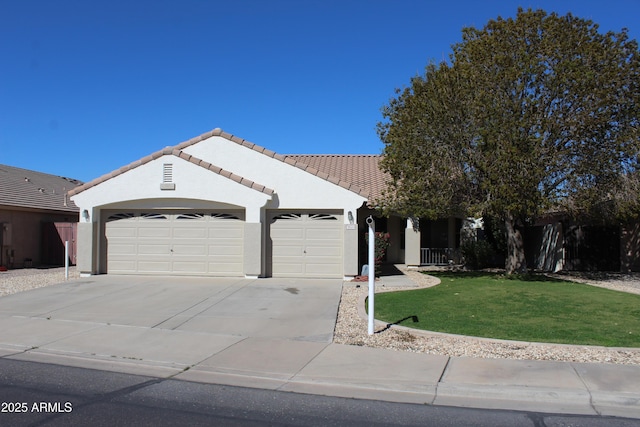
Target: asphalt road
<point x="38" y="394"/>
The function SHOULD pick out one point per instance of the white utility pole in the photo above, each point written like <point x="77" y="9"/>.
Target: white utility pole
<point x="66" y="260"/>
<point x="372" y="270"/>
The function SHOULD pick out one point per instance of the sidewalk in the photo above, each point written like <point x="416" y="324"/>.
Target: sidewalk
<point x="308" y="364"/>
<point x="340" y="370"/>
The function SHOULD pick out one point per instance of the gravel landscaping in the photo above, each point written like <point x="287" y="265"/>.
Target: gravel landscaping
<point x="351" y="326"/>
<point x="19" y="280"/>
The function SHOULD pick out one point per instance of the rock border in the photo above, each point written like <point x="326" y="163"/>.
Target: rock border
<point x="351" y="328"/>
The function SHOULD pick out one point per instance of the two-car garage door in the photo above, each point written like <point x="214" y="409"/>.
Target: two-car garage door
<point x="189" y="243"/>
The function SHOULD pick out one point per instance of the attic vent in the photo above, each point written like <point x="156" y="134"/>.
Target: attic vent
<point x="167" y="177"/>
<point x="167" y="173"/>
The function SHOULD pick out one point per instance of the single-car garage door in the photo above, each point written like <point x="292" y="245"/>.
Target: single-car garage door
<point x="189" y="243"/>
<point x="306" y="244"/>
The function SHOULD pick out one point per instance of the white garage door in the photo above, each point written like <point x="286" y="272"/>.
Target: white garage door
<point x="187" y="243"/>
<point x="306" y="244"/>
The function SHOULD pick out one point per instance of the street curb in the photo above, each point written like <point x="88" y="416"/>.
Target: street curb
<point x="521" y="398"/>
<point x="518" y="398"/>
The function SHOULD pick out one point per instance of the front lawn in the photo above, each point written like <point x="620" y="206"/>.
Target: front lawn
<point x="533" y="308"/>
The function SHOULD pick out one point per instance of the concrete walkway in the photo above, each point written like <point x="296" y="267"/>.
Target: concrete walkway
<point x="276" y="334"/>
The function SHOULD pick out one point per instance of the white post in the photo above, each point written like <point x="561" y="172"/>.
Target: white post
<point x="372" y="270"/>
<point x="66" y="260"/>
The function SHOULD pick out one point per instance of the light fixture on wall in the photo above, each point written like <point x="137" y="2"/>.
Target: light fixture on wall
<point x="350" y="216"/>
<point x="85" y="215"/>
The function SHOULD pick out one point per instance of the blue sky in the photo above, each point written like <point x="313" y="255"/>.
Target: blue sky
<point x="89" y="86"/>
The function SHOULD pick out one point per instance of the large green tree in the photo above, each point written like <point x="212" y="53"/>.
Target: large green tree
<point x="530" y="113"/>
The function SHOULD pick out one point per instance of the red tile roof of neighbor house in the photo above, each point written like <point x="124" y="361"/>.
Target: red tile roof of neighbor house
<point x="27" y="189"/>
<point x="357" y="173"/>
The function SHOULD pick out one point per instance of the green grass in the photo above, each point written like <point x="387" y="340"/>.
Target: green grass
<point x="531" y="308"/>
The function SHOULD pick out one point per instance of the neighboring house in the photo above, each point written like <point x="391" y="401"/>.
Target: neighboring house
<point x="558" y="243"/>
<point x="220" y="205"/>
<point x="36" y="218"/>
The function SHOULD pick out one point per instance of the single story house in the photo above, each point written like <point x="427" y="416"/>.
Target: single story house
<point x="557" y="242"/>
<point x="36" y="218"/>
<point x="219" y="205"/>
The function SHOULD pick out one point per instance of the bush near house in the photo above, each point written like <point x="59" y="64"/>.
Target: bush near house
<point x="477" y="254"/>
<point x="381" y="244"/>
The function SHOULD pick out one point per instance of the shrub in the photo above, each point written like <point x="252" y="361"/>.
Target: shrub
<point x="477" y="254"/>
<point x="380" y="249"/>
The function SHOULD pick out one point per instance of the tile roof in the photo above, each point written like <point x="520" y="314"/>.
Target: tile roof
<point x="361" y="170"/>
<point x="358" y="173"/>
<point x="23" y="188"/>
<point x="287" y="159"/>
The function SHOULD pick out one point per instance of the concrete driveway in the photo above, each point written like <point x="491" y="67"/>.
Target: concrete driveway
<point x="178" y="321"/>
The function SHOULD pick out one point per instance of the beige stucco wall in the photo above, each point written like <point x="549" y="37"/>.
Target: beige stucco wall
<point x="412" y="244"/>
<point x="351" y="250"/>
<point x="86" y="264"/>
<point x="253" y="253"/>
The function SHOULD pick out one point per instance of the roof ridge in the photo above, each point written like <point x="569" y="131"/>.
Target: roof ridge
<point x="332" y="155"/>
<point x="230" y="137"/>
<point x="220" y="171"/>
<point x="269" y="153"/>
<point x="174" y="151"/>
<point x="66" y="178"/>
